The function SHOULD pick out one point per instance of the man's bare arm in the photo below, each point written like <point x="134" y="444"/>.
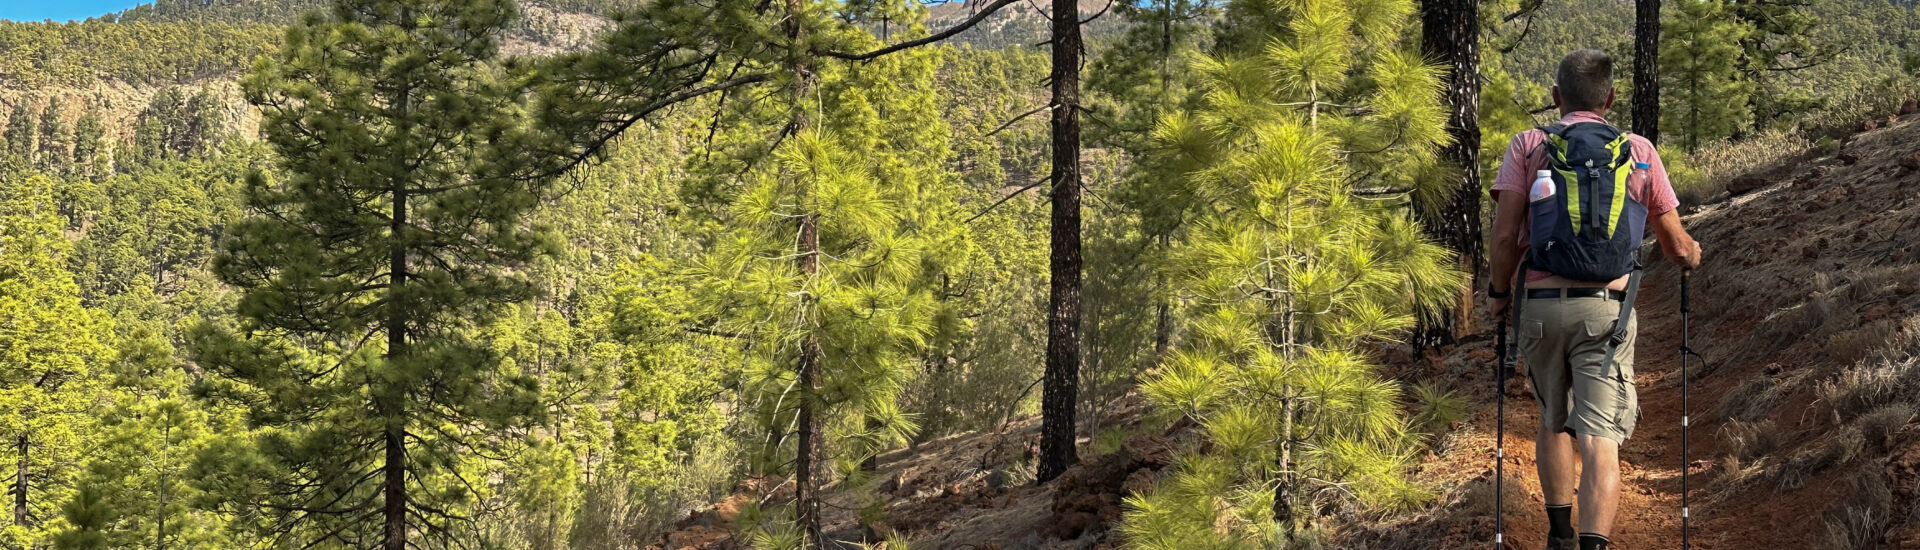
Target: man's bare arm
<point x="1675" y="243"/>
<point x="1509" y="210"/>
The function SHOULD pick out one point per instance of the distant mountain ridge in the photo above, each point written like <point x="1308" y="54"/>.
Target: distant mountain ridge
<point x="284" y="12"/>
<point x="1019" y="24"/>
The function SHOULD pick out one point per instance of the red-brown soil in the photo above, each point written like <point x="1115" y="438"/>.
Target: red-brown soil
<point x="1840" y="228"/>
<point x="1805" y="276"/>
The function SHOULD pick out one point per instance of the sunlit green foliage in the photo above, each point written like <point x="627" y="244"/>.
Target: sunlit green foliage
<point x="389" y="235"/>
<point x="1702" y="85"/>
<point x="1295" y="266"/>
<point x="51" y="348"/>
<point x="78" y="54"/>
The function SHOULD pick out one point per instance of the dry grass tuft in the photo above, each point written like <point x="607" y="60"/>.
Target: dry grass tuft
<point x="1844" y="115"/>
<point x="1844" y="446"/>
<point x="1790" y="325"/>
<point x="1747" y="441"/>
<point x="1853" y="345"/>
<point x="1753" y="399"/>
<point x="1871" y="384"/>
<point x="1883" y="424"/>
<point x="1703" y="175"/>
<point x="1861" y="523"/>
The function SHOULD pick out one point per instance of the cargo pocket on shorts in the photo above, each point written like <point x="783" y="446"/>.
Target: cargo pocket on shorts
<point x="1530" y="334"/>
<point x="1624" y="411"/>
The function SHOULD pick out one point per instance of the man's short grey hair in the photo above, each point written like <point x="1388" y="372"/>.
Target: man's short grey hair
<point x="1585" y="79"/>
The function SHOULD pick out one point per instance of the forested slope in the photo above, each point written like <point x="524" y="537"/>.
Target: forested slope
<point x="619" y="318"/>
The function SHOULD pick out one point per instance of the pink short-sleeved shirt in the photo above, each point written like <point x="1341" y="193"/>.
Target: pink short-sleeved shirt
<point x="1526" y="157"/>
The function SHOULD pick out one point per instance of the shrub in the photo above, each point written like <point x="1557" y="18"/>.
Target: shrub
<point x="1748" y="441"/>
<point x="1861" y="523"/>
<point x="1841" y="448"/>
<point x="1881" y="425"/>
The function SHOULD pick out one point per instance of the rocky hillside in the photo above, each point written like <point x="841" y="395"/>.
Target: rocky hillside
<point x="1808" y="315"/>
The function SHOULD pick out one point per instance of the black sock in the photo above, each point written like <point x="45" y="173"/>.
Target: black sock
<point x="1590" y="541"/>
<point x="1560" y="521"/>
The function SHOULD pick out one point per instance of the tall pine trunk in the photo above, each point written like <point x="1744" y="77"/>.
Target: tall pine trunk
<point x="166" y="456"/>
<point x="810" y="450"/>
<point x="387" y="397"/>
<point x="20" y="486"/>
<point x="1646" y="69"/>
<point x="810" y="447"/>
<point x="1059" y="392"/>
<point x="1450" y="35"/>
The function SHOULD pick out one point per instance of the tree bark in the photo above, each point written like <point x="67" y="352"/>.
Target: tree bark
<point x="166" y="457"/>
<point x="810" y="447"/>
<point x="1646" y="69"/>
<point x="1283" y="491"/>
<point x="388" y="398"/>
<point x="1059" y="393"/>
<point x="1450" y="35"/>
<point x="20" y="486"/>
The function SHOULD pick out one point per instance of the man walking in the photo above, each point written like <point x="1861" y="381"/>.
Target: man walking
<point x="1573" y="202"/>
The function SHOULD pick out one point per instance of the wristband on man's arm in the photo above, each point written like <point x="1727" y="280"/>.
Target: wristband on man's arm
<point x="1495" y="294"/>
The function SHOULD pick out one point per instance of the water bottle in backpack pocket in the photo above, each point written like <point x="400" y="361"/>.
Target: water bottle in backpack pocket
<point x="1542" y="187"/>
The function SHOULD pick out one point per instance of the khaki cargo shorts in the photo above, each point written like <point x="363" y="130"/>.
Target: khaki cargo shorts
<point x="1564" y="341"/>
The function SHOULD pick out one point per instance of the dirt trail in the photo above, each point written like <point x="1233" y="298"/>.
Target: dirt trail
<point x="1805" y="276"/>
<point x="1650" y="460"/>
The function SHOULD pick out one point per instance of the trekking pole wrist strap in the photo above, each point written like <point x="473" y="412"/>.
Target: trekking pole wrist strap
<point x="1619" y="334"/>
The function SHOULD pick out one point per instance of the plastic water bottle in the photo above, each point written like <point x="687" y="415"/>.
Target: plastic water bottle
<point x="1542" y="187"/>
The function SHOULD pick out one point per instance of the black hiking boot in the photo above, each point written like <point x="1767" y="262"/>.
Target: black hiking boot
<point x="1563" y="543"/>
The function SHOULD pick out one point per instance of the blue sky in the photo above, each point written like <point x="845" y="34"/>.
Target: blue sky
<point x="61" y="10"/>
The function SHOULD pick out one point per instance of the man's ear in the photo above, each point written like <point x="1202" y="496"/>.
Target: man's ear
<point x="1556" y="96"/>
<point x="1610" y="94"/>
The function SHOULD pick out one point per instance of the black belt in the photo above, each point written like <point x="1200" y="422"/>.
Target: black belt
<point x="1550" y="293"/>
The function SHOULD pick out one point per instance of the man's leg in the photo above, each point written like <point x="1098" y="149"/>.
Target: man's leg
<point x="1553" y="451"/>
<point x="1605" y="408"/>
<point x="1599" y="484"/>
<point x="1543" y="337"/>
<point x="1553" y="454"/>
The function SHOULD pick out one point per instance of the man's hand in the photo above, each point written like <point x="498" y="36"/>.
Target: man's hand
<point x="1689" y="256"/>
<point x="1500" y="305"/>
<point x="1675" y="243"/>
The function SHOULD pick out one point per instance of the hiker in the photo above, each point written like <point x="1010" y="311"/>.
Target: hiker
<point x="1573" y="201"/>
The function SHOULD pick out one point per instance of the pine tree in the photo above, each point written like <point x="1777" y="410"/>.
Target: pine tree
<point x="138" y="491"/>
<point x="55" y="151"/>
<point x="157" y="135"/>
<point x="20" y="136"/>
<point x="1782" y="38"/>
<point x="1450" y="35"/>
<point x="89" y="147"/>
<point x="1059" y="390"/>
<point x="1133" y="84"/>
<point x="1707" y="92"/>
<point x="1304" y="255"/>
<point x="49" y="344"/>
<point x="394" y="234"/>
<point x="830" y="255"/>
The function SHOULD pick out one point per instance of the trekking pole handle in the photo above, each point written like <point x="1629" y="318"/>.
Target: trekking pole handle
<point x="1500" y="347"/>
<point x="1685" y="274"/>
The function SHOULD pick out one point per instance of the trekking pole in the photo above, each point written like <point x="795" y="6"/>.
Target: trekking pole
<point x="1685" y="412"/>
<point x="1500" y="441"/>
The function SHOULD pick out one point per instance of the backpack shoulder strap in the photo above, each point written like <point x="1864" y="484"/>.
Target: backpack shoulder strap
<point x="1553" y="144"/>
